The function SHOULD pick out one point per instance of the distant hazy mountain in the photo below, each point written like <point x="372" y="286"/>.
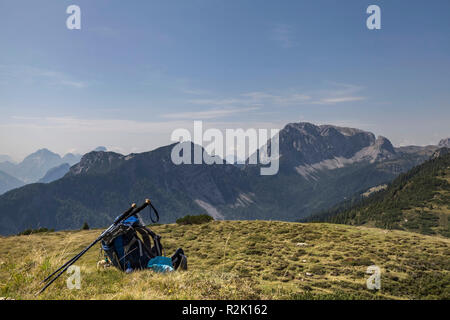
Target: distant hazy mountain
<point x="34" y="166"/>
<point x="8" y="167"/>
<point x="444" y="143"/>
<point x="320" y="166"/>
<point x="101" y="148"/>
<point x="8" y="182"/>
<point x="425" y="151"/>
<point x="55" y="173"/>
<point x="71" y="158"/>
<point x="5" y="158"/>
<point x="37" y="164"/>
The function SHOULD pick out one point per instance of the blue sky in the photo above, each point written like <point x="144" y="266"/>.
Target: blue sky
<point x="139" y="69"/>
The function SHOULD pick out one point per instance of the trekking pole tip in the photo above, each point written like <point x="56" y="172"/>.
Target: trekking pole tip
<point x="133" y="205"/>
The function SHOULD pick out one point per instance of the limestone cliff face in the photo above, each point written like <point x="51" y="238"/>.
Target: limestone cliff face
<point x="444" y="143"/>
<point x="305" y="143"/>
<point x="307" y="148"/>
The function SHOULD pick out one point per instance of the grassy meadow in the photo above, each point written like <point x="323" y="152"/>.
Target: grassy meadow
<point x="240" y="260"/>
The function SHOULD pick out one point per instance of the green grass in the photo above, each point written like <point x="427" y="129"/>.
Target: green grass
<point x="241" y="260"/>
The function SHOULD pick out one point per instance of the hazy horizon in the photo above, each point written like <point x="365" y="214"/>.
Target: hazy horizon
<point x="137" y="71"/>
<point x="75" y="151"/>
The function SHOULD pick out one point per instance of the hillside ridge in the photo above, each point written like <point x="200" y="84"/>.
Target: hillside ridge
<point x="418" y="200"/>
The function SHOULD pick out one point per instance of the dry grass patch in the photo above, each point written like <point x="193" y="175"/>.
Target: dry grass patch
<point x="241" y="260"/>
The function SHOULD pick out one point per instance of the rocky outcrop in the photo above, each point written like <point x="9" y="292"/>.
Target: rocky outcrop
<point x="440" y="152"/>
<point x="97" y="162"/>
<point x="308" y="148"/>
<point x="305" y="144"/>
<point x="444" y="143"/>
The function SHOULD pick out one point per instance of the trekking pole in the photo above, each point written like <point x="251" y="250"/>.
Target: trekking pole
<point x="65" y="264"/>
<point x="63" y="268"/>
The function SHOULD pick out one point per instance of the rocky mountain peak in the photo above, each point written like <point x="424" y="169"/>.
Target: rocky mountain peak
<point x="383" y="143"/>
<point x="444" y="143"/>
<point x="305" y="143"/>
<point x="327" y="129"/>
<point x="303" y="127"/>
<point x="97" y="162"/>
<point x="42" y="154"/>
<point x="381" y="149"/>
<point x="71" y="158"/>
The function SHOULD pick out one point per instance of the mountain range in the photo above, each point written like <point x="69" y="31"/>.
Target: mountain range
<point x="41" y="166"/>
<point x="418" y="200"/>
<point x="8" y="182"/>
<point x="5" y="158"/>
<point x="36" y="165"/>
<point x="55" y="173"/>
<point x="320" y="166"/>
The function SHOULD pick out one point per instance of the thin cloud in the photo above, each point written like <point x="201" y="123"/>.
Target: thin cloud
<point x="194" y="91"/>
<point x="75" y="84"/>
<point x="208" y="114"/>
<point x="338" y="100"/>
<point x="283" y="99"/>
<point x="87" y="125"/>
<point x="337" y="94"/>
<point x="216" y="102"/>
<point x="31" y="75"/>
<point x="257" y="98"/>
<point x="284" y="35"/>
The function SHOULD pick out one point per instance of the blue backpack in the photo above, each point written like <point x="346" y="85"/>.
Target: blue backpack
<point x="128" y="247"/>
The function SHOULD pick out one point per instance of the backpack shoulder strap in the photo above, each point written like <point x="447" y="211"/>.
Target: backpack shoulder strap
<point x="146" y="234"/>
